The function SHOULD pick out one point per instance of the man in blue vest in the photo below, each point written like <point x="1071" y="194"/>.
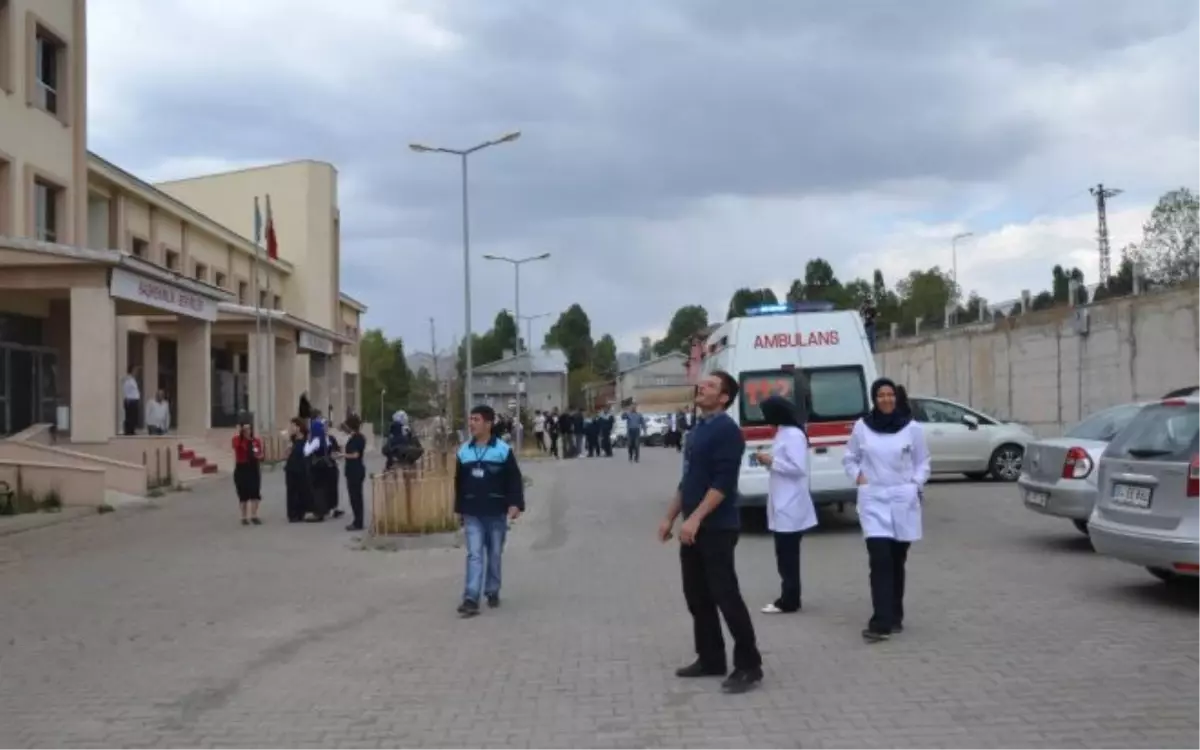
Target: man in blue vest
<point x="488" y="493"/>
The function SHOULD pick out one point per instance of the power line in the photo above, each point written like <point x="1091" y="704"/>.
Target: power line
<point x="1102" y="194"/>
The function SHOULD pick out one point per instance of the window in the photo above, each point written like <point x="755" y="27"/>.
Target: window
<point x="46" y="206"/>
<point x="938" y="412"/>
<point x="219" y="279"/>
<point x="834" y="393"/>
<point x="140" y="248"/>
<point x="48" y="77"/>
<point x="262" y="298"/>
<point x="201" y="272"/>
<point x="1106" y="424"/>
<point x="243" y="292"/>
<point x="278" y="302"/>
<point x="6" y="171"/>
<point x="1160" y="432"/>
<point x="5" y="47"/>
<point x="172" y="260"/>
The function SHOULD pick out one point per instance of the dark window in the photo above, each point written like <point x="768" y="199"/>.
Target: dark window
<point x="1160" y="432"/>
<point x="140" y="248"/>
<point x="49" y="58"/>
<point x="46" y="197"/>
<point x="834" y="393"/>
<point x="1106" y="424"/>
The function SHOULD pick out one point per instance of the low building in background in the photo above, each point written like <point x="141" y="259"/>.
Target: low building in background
<point x="657" y="385"/>
<point x="498" y="383"/>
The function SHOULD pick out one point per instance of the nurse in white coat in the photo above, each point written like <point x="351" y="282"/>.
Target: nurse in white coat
<point x="790" y="509"/>
<point x="888" y="459"/>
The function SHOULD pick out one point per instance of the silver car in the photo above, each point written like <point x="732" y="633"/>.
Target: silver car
<point x="1148" y="507"/>
<point x="1058" y="477"/>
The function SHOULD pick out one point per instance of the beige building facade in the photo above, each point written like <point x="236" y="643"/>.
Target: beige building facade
<point x="103" y="275"/>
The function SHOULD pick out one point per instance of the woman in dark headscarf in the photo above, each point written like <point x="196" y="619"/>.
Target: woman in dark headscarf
<point x="790" y="510"/>
<point x="305" y="408"/>
<point x="888" y="459"/>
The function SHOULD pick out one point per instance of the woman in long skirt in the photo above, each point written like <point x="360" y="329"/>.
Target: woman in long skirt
<point x="247" y="474"/>
<point x="297" y="474"/>
<point x="889" y="461"/>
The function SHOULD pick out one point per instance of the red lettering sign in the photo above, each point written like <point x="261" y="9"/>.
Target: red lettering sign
<point x="757" y="390"/>
<point x="796" y="338"/>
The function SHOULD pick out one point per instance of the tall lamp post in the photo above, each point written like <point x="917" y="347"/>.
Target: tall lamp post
<point x="516" y="263"/>
<point x="954" y="263"/>
<point x="529" y="343"/>
<point x="462" y="154"/>
<point x="382" y="425"/>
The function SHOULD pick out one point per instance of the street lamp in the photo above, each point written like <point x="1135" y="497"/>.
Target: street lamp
<point x="462" y="154"/>
<point x="516" y="263"/>
<point x="954" y="253"/>
<point x="382" y="393"/>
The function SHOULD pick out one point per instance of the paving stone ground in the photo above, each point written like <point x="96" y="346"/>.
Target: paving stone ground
<point x="175" y="626"/>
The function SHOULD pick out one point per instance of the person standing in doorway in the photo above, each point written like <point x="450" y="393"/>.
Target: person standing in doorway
<point x="539" y="430"/>
<point x="131" y="395"/>
<point x="889" y="461"/>
<point x="158" y="415"/>
<point x="489" y="492"/>
<point x="707" y="499"/>
<point x="355" y="471"/>
<point x="790" y="510"/>
<point x="247" y="472"/>
<point x="634" y="422"/>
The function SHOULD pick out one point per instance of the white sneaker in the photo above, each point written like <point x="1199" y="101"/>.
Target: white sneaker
<point x="771" y="609"/>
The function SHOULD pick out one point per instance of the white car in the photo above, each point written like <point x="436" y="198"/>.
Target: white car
<point x="1059" y="475"/>
<point x="965" y="441"/>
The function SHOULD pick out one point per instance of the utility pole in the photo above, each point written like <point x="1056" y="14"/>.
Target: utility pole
<point x="1102" y="194"/>
<point x="437" y="381"/>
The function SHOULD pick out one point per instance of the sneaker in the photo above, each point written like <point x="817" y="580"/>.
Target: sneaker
<point x="774" y="608"/>
<point x="493" y="600"/>
<point x="468" y="608"/>
<point x="697" y="669"/>
<point x="875" y="636"/>
<point x="354" y="527"/>
<point x="742" y="680"/>
<point x="256" y="521"/>
<point x="245" y="521"/>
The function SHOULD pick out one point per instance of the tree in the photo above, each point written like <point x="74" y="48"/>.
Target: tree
<point x="572" y="333"/>
<point x="1061" y="285"/>
<point x="604" y="357"/>
<point x="489" y="347"/>
<point x="386" y="381"/>
<point x="744" y="299"/>
<point x="925" y="295"/>
<point x="685" y="323"/>
<point x="504" y="334"/>
<point x="423" y="399"/>
<point x="1121" y="284"/>
<point x="1170" y="248"/>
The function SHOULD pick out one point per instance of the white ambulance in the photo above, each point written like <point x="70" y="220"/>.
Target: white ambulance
<point x="805" y="350"/>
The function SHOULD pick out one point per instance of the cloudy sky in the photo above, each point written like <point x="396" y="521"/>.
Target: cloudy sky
<point x="672" y="150"/>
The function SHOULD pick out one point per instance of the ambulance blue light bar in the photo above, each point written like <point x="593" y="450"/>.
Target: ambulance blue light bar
<point x="790" y="308"/>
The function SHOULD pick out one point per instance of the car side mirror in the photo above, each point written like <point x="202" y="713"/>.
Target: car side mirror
<point x="970" y="421"/>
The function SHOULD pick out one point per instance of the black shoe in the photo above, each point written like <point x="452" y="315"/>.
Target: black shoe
<point x="256" y="521"/>
<point x="897" y="629"/>
<point x="493" y="600"/>
<point x="875" y="636"/>
<point x="742" y="680"/>
<point x="245" y="521"/>
<point x="354" y="527"/>
<point x="697" y="669"/>
<point x="468" y="608"/>
<point x="339" y="513"/>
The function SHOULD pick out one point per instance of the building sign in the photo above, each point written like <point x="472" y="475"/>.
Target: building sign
<point x="161" y="295"/>
<point x="315" y="343"/>
<point x="793" y="339"/>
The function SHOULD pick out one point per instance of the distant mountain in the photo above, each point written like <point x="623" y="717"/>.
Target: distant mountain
<point x="445" y="363"/>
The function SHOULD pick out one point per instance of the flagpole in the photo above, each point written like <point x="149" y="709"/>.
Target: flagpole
<point x="270" y="335"/>
<point x="258" y="363"/>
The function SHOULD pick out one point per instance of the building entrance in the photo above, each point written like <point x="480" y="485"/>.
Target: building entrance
<point x="28" y="390"/>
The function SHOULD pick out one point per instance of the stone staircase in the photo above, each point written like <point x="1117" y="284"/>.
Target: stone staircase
<point x="193" y="461"/>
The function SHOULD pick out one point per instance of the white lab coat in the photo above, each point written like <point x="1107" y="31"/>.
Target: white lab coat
<point x="896" y="468"/>
<point x="789" y="503"/>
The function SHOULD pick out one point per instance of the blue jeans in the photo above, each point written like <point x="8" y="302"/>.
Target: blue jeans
<point x="635" y="445"/>
<point x="485" y="535"/>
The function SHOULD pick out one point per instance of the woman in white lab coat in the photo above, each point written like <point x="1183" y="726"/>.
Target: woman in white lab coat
<point x="790" y="509"/>
<point x="888" y="459"/>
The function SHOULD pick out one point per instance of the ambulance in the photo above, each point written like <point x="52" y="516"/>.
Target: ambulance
<point x="816" y="357"/>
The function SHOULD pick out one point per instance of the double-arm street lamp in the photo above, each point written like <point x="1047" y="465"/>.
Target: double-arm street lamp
<point x="462" y="154"/>
<point x="516" y="263"/>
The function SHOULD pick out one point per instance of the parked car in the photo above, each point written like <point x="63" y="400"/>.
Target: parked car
<point x="1148" y="504"/>
<point x="1058" y="475"/>
<point x="1191" y="390"/>
<point x="655" y="432"/>
<point x="965" y="441"/>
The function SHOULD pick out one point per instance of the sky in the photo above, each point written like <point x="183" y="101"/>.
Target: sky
<point x="671" y="151"/>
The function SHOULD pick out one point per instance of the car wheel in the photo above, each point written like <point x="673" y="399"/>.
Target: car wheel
<point x="1006" y="462"/>
<point x="1083" y="527"/>
<point x="977" y="476"/>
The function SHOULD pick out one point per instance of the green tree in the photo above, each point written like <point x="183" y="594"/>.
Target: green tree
<point x="490" y="346"/>
<point x="745" y="298"/>
<point x="1170" y="247"/>
<point x="925" y="295"/>
<point x="604" y="357"/>
<point x="504" y="335"/>
<point x="685" y="323"/>
<point x="572" y="333"/>
<point x="1122" y="283"/>
<point x="1061" y="285"/>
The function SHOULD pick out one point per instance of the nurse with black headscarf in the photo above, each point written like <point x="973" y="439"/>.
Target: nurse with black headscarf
<point x="888" y="460"/>
<point x="790" y="509"/>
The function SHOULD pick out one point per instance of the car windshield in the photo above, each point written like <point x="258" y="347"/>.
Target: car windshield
<point x="1160" y="432"/>
<point x="1106" y="424"/>
<point x="835" y="393"/>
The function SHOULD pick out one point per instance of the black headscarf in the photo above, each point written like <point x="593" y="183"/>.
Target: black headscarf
<point x="888" y="424"/>
<point x="780" y="412"/>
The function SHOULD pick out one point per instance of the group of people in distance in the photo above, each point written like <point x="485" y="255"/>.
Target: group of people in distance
<point x="887" y="459"/>
<point x="592" y="431"/>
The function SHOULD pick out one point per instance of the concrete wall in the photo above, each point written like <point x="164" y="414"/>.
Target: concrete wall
<point x="76" y="485"/>
<point x="1038" y="370"/>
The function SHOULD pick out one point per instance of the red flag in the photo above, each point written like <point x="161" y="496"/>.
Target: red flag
<point x="272" y="241"/>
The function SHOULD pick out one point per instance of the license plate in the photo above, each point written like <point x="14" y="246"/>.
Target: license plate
<point x="1131" y="495"/>
<point x="1037" y="498"/>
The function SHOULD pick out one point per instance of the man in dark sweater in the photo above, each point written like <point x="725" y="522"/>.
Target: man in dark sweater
<point x="488" y="493"/>
<point x="707" y="499"/>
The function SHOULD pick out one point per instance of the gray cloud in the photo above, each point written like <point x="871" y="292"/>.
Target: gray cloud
<point x="635" y="116"/>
